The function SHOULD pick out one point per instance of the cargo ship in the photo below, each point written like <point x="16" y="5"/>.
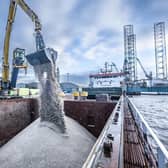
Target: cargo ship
<point x="102" y="129"/>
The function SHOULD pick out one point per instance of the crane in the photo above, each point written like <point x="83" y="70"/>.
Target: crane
<point x="109" y="68"/>
<point x="149" y="76"/>
<point x="40" y="45"/>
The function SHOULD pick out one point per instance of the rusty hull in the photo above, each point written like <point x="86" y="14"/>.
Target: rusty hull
<point x="91" y="114"/>
<point x="15" y="115"/>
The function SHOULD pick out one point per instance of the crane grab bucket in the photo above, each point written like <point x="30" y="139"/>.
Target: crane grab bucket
<point x="39" y="57"/>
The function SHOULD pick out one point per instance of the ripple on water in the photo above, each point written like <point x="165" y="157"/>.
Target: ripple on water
<point x="155" y="111"/>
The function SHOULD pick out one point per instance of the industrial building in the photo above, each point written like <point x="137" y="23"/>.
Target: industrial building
<point x="69" y="87"/>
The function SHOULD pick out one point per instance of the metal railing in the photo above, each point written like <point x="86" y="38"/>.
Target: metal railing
<point x="152" y="142"/>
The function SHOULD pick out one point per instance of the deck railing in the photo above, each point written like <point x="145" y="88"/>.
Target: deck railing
<point x="152" y="143"/>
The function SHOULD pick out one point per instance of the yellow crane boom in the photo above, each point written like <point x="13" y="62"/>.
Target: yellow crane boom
<point x="11" y="17"/>
<point x="5" y="66"/>
<point x="30" y="13"/>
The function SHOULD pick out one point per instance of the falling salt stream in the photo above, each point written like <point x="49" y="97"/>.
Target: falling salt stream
<point x="51" y="106"/>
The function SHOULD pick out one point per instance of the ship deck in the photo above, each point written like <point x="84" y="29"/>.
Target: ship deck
<point x="121" y="144"/>
<point x="134" y="151"/>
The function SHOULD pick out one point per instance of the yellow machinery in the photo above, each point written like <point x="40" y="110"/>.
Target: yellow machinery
<point x="82" y="95"/>
<point x="76" y="95"/>
<point x="5" y="83"/>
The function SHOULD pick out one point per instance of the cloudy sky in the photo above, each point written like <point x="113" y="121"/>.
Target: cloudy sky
<point x="86" y="33"/>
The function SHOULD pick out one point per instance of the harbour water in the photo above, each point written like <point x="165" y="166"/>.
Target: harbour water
<point x="155" y="111"/>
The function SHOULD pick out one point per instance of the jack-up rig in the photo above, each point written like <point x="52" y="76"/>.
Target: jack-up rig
<point x="160" y="50"/>
<point x="158" y="83"/>
<point x="104" y="79"/>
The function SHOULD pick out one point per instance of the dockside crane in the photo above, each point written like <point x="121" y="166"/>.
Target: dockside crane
<point x="41" y="56"/>
<point x="148" y="76"/>
<point x="18" y="62"/>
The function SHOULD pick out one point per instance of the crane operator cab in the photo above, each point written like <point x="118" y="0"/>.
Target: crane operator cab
<point x="19" y="62"/>
<point x="18" y="56"/>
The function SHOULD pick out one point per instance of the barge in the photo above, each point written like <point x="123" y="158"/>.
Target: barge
<point x="124" y="139"/>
